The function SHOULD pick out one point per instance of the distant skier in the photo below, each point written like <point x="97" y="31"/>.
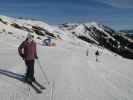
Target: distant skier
<point x="27" y="50"/>
<point x="47" y="42"/>
<point x="97" y="54"/>
<point x="87" y="52"/>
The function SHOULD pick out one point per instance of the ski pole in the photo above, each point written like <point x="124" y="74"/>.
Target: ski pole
<point x="52" y="90"/>
<point x="43" y="72"/>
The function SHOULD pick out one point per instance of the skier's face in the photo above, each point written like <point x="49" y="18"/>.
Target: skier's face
<point x="30" y="39"/>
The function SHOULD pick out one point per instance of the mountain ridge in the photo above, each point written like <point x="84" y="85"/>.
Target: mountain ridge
<point x="94" y="33"/>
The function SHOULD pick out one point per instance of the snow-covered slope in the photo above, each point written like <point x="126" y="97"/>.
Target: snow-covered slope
<point x="70" y="66"/>
<point x="72" y="74"/>
<point x="21" y="27"/>
<point x="102" y="35"/>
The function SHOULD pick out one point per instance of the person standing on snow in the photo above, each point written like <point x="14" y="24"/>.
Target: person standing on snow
<point x="47" y="42"/>
<point x="27" y="50"/>
<point x="97" y="54"/>
<point x="87" y="52"/>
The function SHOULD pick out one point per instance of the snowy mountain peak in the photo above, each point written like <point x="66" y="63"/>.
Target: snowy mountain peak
<point x="95" y="24"/>
<point x="92" y="32"/>
<point x="102" y="35"/>
<point x="21" y="27"/>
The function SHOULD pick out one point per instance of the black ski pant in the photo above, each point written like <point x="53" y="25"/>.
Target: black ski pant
<point x="30" y="69"/>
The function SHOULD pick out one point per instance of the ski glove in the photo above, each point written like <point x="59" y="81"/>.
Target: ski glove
<point x="36" y="57"/>
<point x="22" y="55"/>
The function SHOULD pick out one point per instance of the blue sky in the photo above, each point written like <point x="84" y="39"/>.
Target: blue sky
<point x="116" y="13"/>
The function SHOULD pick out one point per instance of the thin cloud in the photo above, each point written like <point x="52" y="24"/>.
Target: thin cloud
<point x="119" y="3"/>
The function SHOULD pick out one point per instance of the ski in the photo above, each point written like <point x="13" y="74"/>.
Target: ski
<point x="38" y="84"/>
<point x="35" y="85"/>
<point x="35" y="88"/>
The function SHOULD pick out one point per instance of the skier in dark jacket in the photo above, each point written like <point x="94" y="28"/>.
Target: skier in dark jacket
<point x="97" y="54"/>
<point x="27" y="50"/>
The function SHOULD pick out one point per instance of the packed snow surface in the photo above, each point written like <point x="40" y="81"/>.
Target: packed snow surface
<point x="72" y="74"/>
